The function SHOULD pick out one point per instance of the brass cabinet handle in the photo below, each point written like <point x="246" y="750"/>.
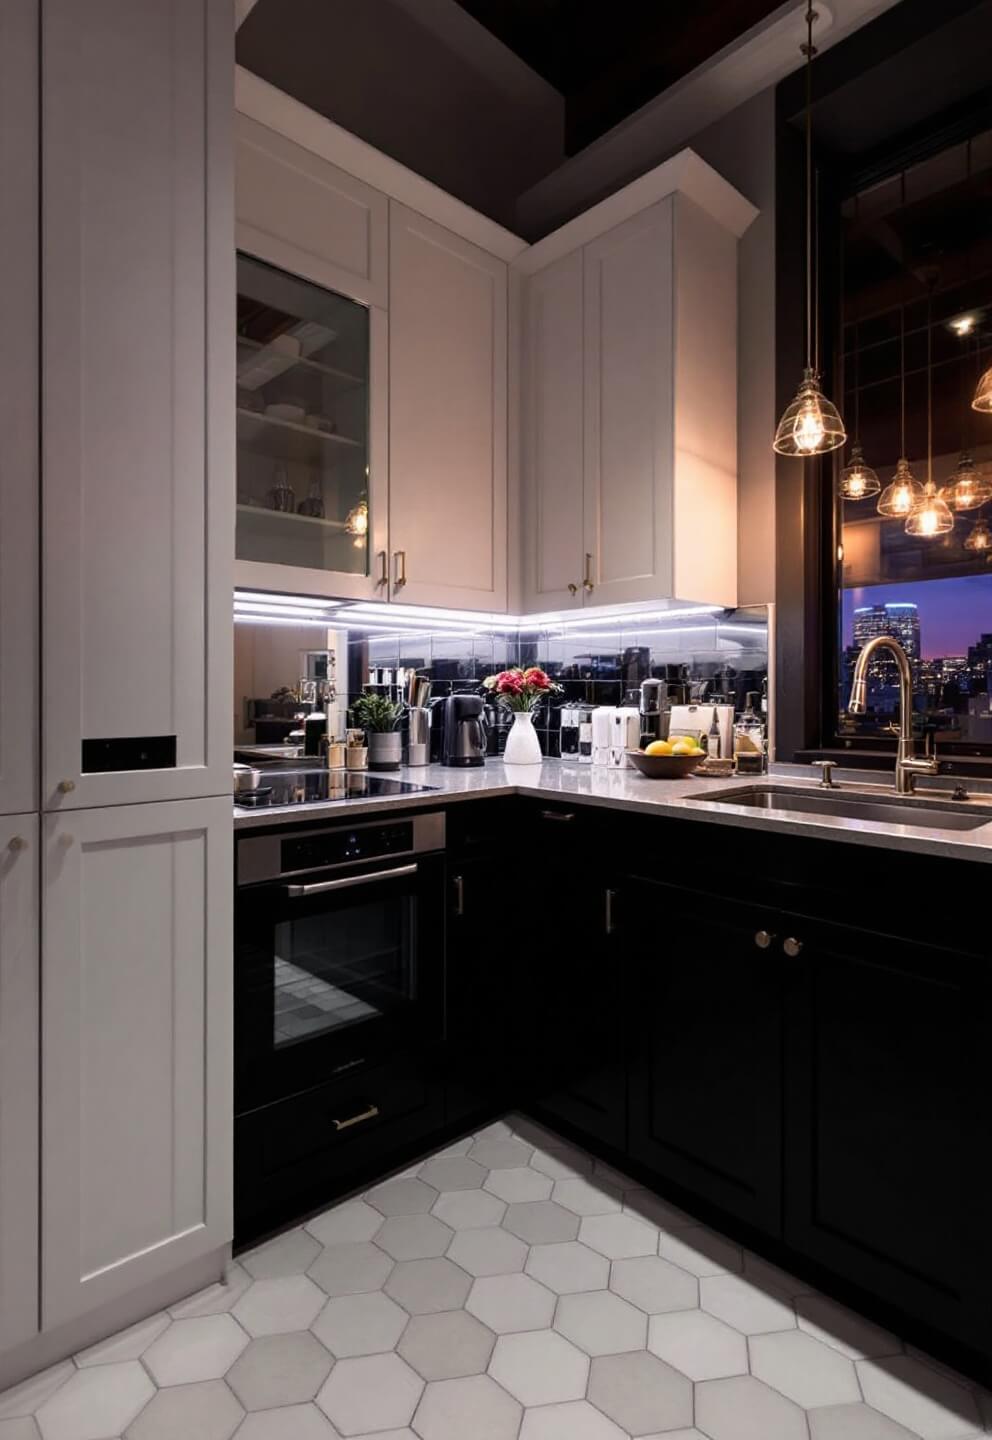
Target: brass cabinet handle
<point x="17" y="842"/>
<point x="459" y="883"/>
<point x="66" y="841"/>
<point x="383" y="579"/>
<point x="363" y="1115"/>
<point x="587" y="580"/>
<point x="572" y="588"/>
<point x="763" y="939"/>
<point x="792" y="946"/>
<point x="399" y="560"/>
<point x="561" y="816"/>
<point x="66" y="787"/>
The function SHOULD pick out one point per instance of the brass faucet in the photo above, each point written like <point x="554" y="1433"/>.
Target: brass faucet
<point x="908" y="763"/>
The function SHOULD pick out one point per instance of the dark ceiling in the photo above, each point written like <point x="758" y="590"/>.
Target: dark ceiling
<point x="609" y="59"/>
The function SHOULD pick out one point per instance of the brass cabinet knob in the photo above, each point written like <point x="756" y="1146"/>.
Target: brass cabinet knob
<point x="792" y="946"/>
<point x="66" y="787"/>
<point x="588" y="584"/>
<point x="573" y="589"/>
<point x="17" y="842"/>
<point x="763" y="939"/>
<point x="66" y="841"/>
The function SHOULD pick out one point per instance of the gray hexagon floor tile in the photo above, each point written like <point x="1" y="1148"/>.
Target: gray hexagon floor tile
<point x="23" y="1429"/>
<point x="351" y="1269"/>
<point x="500" y="1153"/>
<point x="274" y="1307"/>
<point x="698" y="1344"/>
<point x="539" y="1367"/>
<point x="492" y="1251"/>
<point x="587" y="1196"/>
<point x="402" y="1197"/>
<point x="469" y="1209"/>
<point x="922" y="1399"/>
<point x="351" y="1325"/>
<point x="752" y="1311"/>
<point x="414" y="1237"/>
<point x="373" y="1392"/>
<point x="475" y="1407"/>
<point x="447" y="1346"/>
<point x="453" y="1172"/>
<point x="804" y="1369"/>
<point x="540" y="1222"/>
<point x="204" y="1348"/>
<point x="425" y="1286"/>
<point x="600" y="1323"/>
<point x="103" y="1400"/>
<point x="345" y="1224"/>
<point x="572" y="1420"/>
<point x="745" y="1409"/>
<point x="654" y="1285"/>
<point x="568" y="1267"/>
<point x="619" y="1237"/>
<point x="207" y="1410"/>
<point x="289" y="1254"/>
<point x="292" y="1422"/>
<point x="640" y="1393"/>
<point x="508" y="1303"/>
<point x="854" y="1422"/>
<point x="517" y="1185"/>
<point x="279" y="1370"/>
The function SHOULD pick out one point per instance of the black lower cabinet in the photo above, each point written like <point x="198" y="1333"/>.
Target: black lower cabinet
<point x="887" y="1147"/>
<point x="705" y="1026"/>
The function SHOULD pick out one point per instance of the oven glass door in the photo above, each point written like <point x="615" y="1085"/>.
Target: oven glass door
<point x="333" y="970"/>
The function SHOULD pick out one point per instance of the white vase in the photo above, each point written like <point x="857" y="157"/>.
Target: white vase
<point x="522" y="744"/>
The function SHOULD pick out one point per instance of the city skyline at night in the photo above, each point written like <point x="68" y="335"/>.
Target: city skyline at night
<point x="952" y="613"/>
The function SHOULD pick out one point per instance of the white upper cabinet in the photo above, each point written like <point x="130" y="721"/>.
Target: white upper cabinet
<point x="18" y="406"/>
<point x="137" y="384"/>
<point x="18" y="1077"/>
<point x="447" y="417"/>
<point x="137" y="1048"/>
<point x="629" y="440"/>
<point x="301" y="213"/>
<point x="552" y="397"/>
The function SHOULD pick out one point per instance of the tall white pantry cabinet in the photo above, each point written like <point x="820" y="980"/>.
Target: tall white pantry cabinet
<point x="115" y="810"/>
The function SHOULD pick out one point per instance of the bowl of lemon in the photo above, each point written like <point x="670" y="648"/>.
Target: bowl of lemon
<point x="668" y="759"/>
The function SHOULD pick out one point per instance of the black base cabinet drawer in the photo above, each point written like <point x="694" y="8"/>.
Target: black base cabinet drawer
<point x="298" y="1154"/>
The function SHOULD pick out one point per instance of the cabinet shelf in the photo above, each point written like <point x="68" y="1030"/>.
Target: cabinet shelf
<point x="277" y="364"/>
<point x="252" y="514"/>
<point x="286" y="439"/>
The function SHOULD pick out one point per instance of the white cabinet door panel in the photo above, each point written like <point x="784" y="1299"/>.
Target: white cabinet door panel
<point x="18" y="406"/>
<point x="18" y="1078"/>
<point x="552" y="429"/>
<point x="137" y="387"/>
<point x="136" y="1046"/>
<point x="629" y="378"/>
<point x="300" y="212"/>
<point x="447" y="417"/>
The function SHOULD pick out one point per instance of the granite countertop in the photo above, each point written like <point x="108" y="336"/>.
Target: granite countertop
<point x="627" y="790"/>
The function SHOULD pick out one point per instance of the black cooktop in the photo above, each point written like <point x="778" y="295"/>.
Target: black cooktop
<point x="315" y="787"/>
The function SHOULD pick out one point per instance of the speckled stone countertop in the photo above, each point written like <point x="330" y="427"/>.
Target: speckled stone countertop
<point x="677" y="799"/>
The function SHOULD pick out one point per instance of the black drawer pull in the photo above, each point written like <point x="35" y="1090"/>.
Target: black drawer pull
<point x="358" y="1119"/>
<point x="561" y="815"/>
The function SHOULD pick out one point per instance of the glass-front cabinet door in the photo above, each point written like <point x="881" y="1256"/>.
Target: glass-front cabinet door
<point x="303" y="431"/>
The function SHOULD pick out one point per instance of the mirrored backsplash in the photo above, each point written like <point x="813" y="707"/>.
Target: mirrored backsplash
<point x="720" y="656"/>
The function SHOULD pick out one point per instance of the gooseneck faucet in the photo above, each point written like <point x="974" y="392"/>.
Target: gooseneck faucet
<point x="908" y="763"/>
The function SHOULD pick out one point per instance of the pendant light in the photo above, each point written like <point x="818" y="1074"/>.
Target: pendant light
<point x="983" y="394"/>
<point x="811" y="424"/>
<point x="967" y="488"/>
<point x="903" y="492"/>
<point x="932" y="516"/>
<point x="857" y="480"/>
<point x="979" y="537"/>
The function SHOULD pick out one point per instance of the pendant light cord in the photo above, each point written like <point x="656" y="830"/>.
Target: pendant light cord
<point x="809" y="50"/>
<point x="902" y="379"/>
<point x="930" y="382"/>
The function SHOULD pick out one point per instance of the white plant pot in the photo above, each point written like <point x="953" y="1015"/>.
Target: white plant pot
<point x="522" y="744"/>
<point x="385" y="749"/>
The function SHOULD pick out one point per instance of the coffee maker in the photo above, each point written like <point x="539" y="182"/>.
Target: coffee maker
<point x="463" y="738"/>
<point x="657" y="698"/>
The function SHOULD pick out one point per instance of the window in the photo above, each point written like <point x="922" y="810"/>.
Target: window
<point x="917" y="281"/>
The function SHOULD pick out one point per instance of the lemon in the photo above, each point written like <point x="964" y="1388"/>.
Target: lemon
<point x="682" y="747"/>
<point x="659" y="747"/>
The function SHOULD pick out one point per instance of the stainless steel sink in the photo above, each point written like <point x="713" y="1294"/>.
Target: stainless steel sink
<point x="857" y="805"/>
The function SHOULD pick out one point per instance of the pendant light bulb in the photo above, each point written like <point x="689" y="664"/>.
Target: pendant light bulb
<point x="902" y="494"/>
<point x="932" y="516"/>
<point x="967" y="488"/>
<point x="979" y="537"/>
<point x="811" y="425"/>
<point x="983" y="393"/>
<point x="357" y="522"/>
<point x="858" y="480"/>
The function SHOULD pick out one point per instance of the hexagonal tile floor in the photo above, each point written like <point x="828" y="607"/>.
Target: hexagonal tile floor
<point x="508" y="1288"/>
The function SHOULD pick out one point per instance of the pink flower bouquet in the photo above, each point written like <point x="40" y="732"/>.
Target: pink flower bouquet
<point x="518" y="689"/>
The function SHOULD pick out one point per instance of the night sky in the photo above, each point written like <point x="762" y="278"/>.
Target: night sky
<point x="953" y="613"/>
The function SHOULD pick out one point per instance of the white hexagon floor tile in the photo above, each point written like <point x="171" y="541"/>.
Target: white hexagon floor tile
<point x="288" y="1422"/>
<point x="600" y="1323"/>
<point x="743" y="1408"/>
<point x="274" y="1307"/>
<point x="640" y="1393"/>
<point x="289" y="1254"/>
<point x="924" y="1400"/>
<point x="345" y="1224"/>
<point x="475" y="1407"/>
<point x="373" y="1392"/>
<point x="492" y="1251"/>
<point x="207" y="1410"/>
<point x="519" y="1184"/>
<point x="414" y="1237"/>
<point x="100" y="1401"/>
<point x="654" y="1285"/>
<point x="279" y="1370"/>
<point x="351" y="1325"/>
<point x="568" y="1267"/>
<point x="747" y="1308"/>
<point x="447" y="1346"/>
<point x="573" y="1420"/>
<point x="539" y="1367"/>
<point x="698" y="1344"/>
<point x="469" y="1209"/>
<point x="509" y="1303"/>
<point x="804" y="1369"/>
<point x="204" y="1348"/>
<point x="619" y="1237"/>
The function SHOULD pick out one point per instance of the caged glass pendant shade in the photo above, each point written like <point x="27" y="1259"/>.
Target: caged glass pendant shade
<point x="811" y="425"/>
<point x="967" y="488"/>
<point x="902" y="494"/>
<point x="858" y="480"/>
<point x="979" y="537"/>
<point x="932" y="516"/>
<point x="983" y="393"/>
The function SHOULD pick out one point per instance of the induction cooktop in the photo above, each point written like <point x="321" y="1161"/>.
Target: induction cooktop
<point x="317" y="787"/>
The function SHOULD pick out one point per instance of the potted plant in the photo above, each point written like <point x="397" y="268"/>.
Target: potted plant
<point x="379" y="717"/>
<point x="521" y="691"/>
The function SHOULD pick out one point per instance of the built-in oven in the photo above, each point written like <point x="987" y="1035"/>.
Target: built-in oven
<point x="339" y="1004"/>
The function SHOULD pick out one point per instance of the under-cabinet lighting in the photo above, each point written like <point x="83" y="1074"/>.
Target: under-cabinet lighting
<point x="249" y="619"/>
<point x="268" y="597"/>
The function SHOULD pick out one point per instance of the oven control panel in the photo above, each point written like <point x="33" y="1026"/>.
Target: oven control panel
<point x="296" y="850"/>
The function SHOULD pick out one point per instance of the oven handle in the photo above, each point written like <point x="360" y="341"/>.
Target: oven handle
<point x="296" y="892"/>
